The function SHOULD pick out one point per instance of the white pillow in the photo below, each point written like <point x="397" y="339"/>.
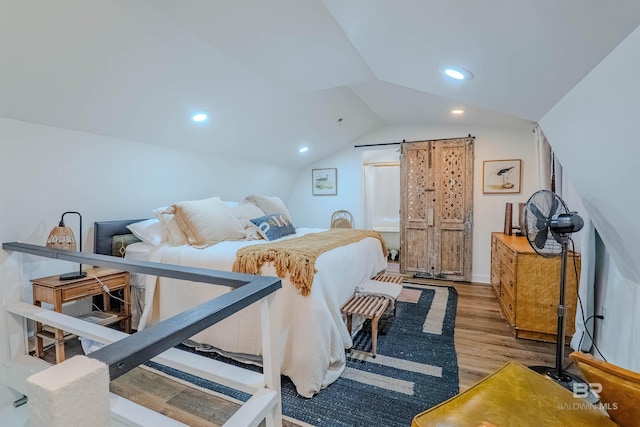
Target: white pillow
<point x="230" y="204"/>
<point x="244" y="213"/>
<point x="175" y="236"/>
<point x="150" y="231"/>
<point x="269" y="205"/>
<point x="207" y="222"/>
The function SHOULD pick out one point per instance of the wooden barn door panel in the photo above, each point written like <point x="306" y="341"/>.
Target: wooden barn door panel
<point x="416" y="208"/>
<point x="451" y="253"/>
<point x="417" y="258"/>
<point x="453" y="161"/>
<point x="437" y="208"/>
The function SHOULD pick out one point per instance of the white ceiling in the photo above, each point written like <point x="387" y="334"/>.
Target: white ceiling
<point x="275" y="75"/>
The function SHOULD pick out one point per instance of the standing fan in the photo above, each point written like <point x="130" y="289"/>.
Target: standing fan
<point x="548" y="224"/>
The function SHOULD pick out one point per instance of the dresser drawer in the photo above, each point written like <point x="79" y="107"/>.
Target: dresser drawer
<point x="496" y="267"/>
<point x="507" y="255"/>
<point x="507" y="280"/>
<point x="508" y="303"/>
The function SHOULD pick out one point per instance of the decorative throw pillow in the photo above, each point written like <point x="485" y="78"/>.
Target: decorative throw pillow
<point x="274" y="226"/>
<point x="119" y="244"/>
<point x="207" y="222"/>
<point x="269" y="205"/>
<point x="170" y="226"/>
<point x="149" y="231"/>
<point x="243" y="213"/>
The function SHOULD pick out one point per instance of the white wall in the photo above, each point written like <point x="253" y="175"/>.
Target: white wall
<point x="594" y="131"/>
<point x="488" y="215"/>
<point x="45" y="171"/>
<point x="315" y="211"/>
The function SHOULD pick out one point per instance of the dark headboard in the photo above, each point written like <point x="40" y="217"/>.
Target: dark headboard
<point x="103" y="231"/>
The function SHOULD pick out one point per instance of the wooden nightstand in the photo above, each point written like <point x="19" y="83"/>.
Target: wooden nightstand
<point x="54" y="291"/>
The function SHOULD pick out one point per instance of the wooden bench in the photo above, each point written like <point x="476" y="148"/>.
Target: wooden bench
<point x="369" y="306"/>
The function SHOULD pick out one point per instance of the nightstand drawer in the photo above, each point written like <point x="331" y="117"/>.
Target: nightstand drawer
<point x="92" y="289"/>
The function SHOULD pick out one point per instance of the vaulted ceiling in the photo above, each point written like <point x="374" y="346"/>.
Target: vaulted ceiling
<point x="276" y="75"/>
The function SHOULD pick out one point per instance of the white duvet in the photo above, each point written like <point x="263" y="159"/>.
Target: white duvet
<point x="312" y="334"/>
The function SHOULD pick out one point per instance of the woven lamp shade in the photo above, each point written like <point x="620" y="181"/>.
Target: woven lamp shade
<point x="62" y="238"/>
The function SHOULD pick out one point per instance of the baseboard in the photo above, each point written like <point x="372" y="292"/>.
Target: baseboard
<point x="481" y="278"/>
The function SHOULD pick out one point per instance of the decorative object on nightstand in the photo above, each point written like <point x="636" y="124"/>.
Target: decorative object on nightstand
<point x="56" y="291"/>
<point x="508" y="219"/>
<point x="61" y="237"/>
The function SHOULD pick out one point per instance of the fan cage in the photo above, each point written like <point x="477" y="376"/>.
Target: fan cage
<point x="539" y="209"/>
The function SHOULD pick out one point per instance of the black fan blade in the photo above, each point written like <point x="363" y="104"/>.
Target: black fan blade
<point x="541" y="220"/>
<point x="556" y="236"/>
<point x="541" y="238"/>
<point x="537" y="212"/>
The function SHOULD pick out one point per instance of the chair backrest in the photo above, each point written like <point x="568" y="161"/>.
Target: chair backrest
<point x="620" y="388"/>
<point x="341" y="219"/>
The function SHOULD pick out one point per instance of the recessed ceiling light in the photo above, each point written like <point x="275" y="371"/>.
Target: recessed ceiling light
<point x="199" y="117"/>
<point x="457" y="111"/>
<point x="303" y="149"/>
<point x="457" y="73"/>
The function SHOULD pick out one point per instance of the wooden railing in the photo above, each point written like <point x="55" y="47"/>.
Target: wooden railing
<point x="129" y="351"/>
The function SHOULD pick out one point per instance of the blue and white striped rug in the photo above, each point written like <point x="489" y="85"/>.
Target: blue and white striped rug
<point x="415" y="368"/>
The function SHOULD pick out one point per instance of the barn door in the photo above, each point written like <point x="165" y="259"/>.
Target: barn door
<point x="437" y="208"/>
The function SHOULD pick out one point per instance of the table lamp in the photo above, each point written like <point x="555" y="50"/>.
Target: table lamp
<point x="61" y="237"/>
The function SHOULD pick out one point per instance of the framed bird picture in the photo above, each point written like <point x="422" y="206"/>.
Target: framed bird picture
<point x="501" y="176"/>
<point x="324" y="182"/>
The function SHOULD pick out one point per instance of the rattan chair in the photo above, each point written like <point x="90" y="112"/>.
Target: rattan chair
<point x="341" y="219"/>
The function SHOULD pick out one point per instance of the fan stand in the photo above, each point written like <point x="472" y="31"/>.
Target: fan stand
<point x="557" y="374"/>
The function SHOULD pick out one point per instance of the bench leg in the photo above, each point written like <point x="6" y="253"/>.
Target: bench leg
<point x="374" y="335"/>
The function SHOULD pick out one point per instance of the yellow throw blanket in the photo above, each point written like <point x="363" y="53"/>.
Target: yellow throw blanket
<point x="298" y="256"/>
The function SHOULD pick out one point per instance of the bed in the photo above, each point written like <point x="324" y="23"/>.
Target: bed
<point x="312" y="335"/>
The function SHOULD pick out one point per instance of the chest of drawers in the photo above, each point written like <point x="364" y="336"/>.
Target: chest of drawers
<point x="528" y="287"/>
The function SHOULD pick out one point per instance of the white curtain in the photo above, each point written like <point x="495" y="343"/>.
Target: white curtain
<point x="544" y="158"/>
<point x="381" y="195"/>
<point x="585" y="245"/>
<point x="585" y="321"/>
<point x="550" y="170"/>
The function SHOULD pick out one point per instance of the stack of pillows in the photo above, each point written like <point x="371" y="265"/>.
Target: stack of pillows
<point x="202" y="223"/>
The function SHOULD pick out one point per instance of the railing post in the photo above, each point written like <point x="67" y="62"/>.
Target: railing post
<point x="60" y="396"/>
<point x="271" y="360"/>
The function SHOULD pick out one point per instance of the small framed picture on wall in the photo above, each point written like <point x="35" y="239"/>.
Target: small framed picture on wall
<point x="324" y="182"/>
<point x="501" y="176"/>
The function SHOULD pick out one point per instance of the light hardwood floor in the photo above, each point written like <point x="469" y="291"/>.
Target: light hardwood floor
<point x="483" y="343"/>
